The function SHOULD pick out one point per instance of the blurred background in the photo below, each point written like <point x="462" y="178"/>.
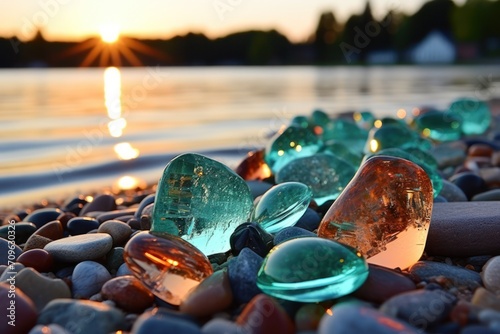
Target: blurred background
<point x="101" y="94"/>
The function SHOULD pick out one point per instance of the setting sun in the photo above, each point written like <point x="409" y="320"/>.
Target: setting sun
<point x="110" y="33"/>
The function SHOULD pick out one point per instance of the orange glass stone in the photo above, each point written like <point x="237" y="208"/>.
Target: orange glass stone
<point x="253" y="167"/>
<point x="384" y="212"/>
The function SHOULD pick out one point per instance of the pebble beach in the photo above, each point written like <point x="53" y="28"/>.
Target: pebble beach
<point x="64" y="268"/>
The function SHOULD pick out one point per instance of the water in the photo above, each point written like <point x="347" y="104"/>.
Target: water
<point x="63" y="131"/>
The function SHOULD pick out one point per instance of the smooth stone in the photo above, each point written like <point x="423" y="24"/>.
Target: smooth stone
<point x="41" y="289"/>
<point x="253" y="236"/>
<point x="308" y="317"/>
<point x="385" y="208"/>
<point x="421" y="308"/>
<point x="211" y="296"/>
<point x="242" y="273"/>
<point x="166" y="264"/>
<point x="440" y="199"/>
<point x="160" y="321"/>
<point x="311" y="270"/>
<point x="114" y="259"/>
<point x="491" y="275"/>
<point x="41" y="217"/>
<point x="461" y="277"/>
<point x="81" y="225"/>
<point x="10" y="271"/>
<point x="309" y="221"/>
<point x="464" y="229"/>
<point x="88" y="278"/>
<point x="495" y="159"/>
<point x="150" y="199"/>
<point x="292" y="232"/>
<point x="128" y="293"/>
<point x="480" y="150"/>
<point x="22" y="313"/>
<point x="491" y="176"/>
<point x="452" y="193"/>
<point x="81" y="247"/>
<point x="383" y="283"/>
<point x="9" y="251"/>
<point x="327" y="175"/>
<point x="202" y="201"/>
<point x="119" y="231"/>
<point x="258" y="188"/>
<point x="38" y="259"/>
<point x="348" y="318"/>
<point x="36" y="242"/>
<point x="50" y="329"/>
<point x="123" y="270"/>
<point x="20" y="231"/>
<point x="488" y="316"/>
<point x="281" y="206"/>
<point x="264" y="315"/>
<point x="253" y="167"/>
<point x="102" y="202"/>
<point x="477" y="329"/>
<point x="52" y="230"/>
<point x="470" y="183"/>
<point x="218" y="326"/>
<point x="486" y="299"/>
<point x="491" y="195"/>
<point x="82" y="316"/>
<point x="449" y="154"/>
<point x="120" y="215"/>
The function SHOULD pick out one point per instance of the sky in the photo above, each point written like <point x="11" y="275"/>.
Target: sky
<point x="78" y="19"/>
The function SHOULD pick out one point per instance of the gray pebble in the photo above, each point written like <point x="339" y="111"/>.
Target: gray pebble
<point x="88" y="279"/>
<point x="461" y="277"/>
<point x="242" y="273"/>
<point x="80" y="247"/>
<point x="452" y="193"/>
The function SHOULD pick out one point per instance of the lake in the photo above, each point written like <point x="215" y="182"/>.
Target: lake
<point x="63" y="131"/>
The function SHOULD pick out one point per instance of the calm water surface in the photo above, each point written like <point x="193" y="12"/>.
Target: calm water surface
<point x="69" y="130"/>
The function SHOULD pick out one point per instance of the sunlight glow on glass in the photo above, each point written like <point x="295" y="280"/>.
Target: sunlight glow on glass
<point x="125" y="151"/>
<point x="109" y="33"/>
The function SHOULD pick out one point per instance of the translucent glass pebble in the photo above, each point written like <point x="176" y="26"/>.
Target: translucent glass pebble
<point x="294" y="142"/>
<point x="202" y="201"/>
<point x="346" y="132"/>
<point x="326" y="174"/>
<point x="364" y="119"/>
<point x="475" y="115"/>
<point x="342" y="151"/>
<point x="393" y="135"/>
<point x="253" y="167"/>
<point x="282" y="206"/>
<point x="384" y="212"/>
<point x="167" y="265"/>
<point x="440" y="126"/>
<point x="311" y="269"/>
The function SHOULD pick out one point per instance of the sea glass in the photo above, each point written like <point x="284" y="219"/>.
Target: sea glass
<point x="167" y="265"/>
<point x="300" y="121"/>
<point x="432" y="172"/>
<point x="475" y="115"/>
<point x="440" y="126"/>
<point x="364" y="119"/>
<point x="294" y="142"/>
<point x="253" y="167"/>
<point x="202" y="201"/>
<point x="346" y="132"/>
<point x="282" y="206"/>
<point x="342" y="151"/>
<point x="384" y="212"/>
<point x="311" y="270"/>
<point x="326" y="174"/>
<point x="394" y="135"/>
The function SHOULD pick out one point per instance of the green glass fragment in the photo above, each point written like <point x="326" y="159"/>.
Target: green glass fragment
<point x="475" y="115"/>
<point x="440" y="126"/>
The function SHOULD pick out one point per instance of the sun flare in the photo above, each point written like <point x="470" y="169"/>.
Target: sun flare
<point x="110" y="33"/>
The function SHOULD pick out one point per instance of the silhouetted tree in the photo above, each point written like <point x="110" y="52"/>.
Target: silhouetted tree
<point x="325" y="36"/>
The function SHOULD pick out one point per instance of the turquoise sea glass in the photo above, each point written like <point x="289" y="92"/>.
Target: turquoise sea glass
<point x="364" y="119"/>
<point x="440" y="126"/>
<point x="311" y="269"/>
<point x="300" y="121"/>
<point x="326" y="174"/>
<point x="202" y="201"/>
<point x="475" y="115"/>
<point x="294" y="142"/>
<point x="342" y="151"/>
<point x="282" y="206"/>
<point x="346" y="132"/>
<point x="394" y="135"/>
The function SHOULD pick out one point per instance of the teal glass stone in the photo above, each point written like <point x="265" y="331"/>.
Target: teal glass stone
<point x="326" y="174"/>
<point x="394" y="135"/>
<point x="300" y="121"/>
<point x="364" y="119"/>
<point x="202" y="201"/>
<point x="440" y="126"/>
<point x="282" y="206"/>
<point x="294" y="142"/>
<point x="432" y="173"/>
<point x="346" y="132"/>
<point x="342" y="151"/>
<point x="319" y="117"/>
<point x="392" y="120"/>
<point x="475" y="115"/>
<point x="423" y="156"/>
<point x="311" y="270"/>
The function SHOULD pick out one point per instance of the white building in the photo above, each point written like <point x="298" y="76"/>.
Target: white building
<point x="435" y="48"/>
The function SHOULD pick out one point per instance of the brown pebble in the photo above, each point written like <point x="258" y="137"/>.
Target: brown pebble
<point x="495" y="159"/>
<point x="38" y="259"/>
<point x="212" y="295"/>
<point x="264" y="315"/>
<point x="308" y="317"/>
<point x="128" y="293"/>
<point x="491" y="176"/>
<point x="52" y="230"/>
<point x="24" y="314"/>
<point x="480" y="150"/>
<point x="485" y="298"/>
<point x="65" y="217"/>
<point x="35" y="242"/>
<point x="118" y="230"/>
<point x="100" y="203"/>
